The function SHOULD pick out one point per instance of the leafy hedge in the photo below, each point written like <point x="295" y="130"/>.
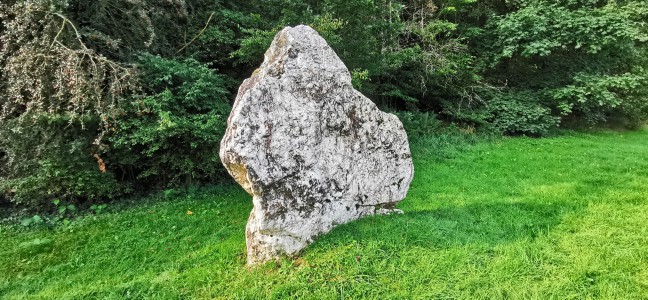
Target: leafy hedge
<point x="171" y="134"/>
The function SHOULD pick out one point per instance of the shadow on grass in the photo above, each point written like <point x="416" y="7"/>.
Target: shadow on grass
<point x="486" y="224"/>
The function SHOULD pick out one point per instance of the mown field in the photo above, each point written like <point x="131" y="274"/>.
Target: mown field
<point x="555" y="218"/>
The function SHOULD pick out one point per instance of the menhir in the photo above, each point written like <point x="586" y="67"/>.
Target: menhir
<point x="311" y="150"/>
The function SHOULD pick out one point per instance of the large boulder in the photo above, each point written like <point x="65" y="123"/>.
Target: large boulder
<point x="312" y="151"/>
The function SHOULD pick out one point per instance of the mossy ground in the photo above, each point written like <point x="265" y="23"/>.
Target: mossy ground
<point x="555" y="218"/>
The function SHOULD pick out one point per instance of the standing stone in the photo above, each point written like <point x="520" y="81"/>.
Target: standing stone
<point x="312" y="151"/>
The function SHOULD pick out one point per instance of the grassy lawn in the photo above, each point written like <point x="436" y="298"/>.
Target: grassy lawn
<point x="555" y="218"/>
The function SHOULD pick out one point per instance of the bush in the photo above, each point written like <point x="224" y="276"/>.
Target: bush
<point x="52" y="91"/>
<point x="633" y="112"/>
<point x="171" y="135"/>
<point x="596" y="98"/>
<point x="419" y="124"/>
<point x="167" y="136"/>
<point x="507" y="112"/>
<point x="46" y="69"/>
<point x="47" y="157"/>
<point x="585" y="59"/>
<point x="520" y="113"/>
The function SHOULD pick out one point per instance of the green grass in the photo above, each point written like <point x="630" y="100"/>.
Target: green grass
<point x="555" y="218"/>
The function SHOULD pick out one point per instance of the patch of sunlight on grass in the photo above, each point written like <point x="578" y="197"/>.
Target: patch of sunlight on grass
<point x="550" y="191"/>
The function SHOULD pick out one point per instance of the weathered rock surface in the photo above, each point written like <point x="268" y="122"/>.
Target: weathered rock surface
<point x="312" y="151"/>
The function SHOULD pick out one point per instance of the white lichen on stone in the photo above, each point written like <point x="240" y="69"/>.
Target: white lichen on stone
<point x="311" y="150"/>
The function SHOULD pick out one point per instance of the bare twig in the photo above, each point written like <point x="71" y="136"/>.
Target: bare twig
<point x="198" y="35"/>
<point x="58" y="33"/>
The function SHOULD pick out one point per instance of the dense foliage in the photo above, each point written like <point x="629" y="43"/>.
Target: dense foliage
<point x="582" y="59"/>
<point x="101" y="98"/>
<point x="171" y="134"/>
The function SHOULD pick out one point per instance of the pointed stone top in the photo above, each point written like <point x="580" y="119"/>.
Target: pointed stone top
<point x="301" y="53"/>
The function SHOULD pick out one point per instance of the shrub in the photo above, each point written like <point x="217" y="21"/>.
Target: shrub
<point x="47" y="157"/>
<point x="52" y="90"/>
<point x="596" y="98"/>
<point x="46" y="68"/>
<point x="419" y="124"/>
<point x="171" y="134"/>
<point x="586" y="58"/>
<point x="520" y="113"/>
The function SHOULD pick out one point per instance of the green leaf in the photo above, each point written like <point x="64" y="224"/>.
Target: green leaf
<point x="26" y="222"/>
<point x="37" y="219"/>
